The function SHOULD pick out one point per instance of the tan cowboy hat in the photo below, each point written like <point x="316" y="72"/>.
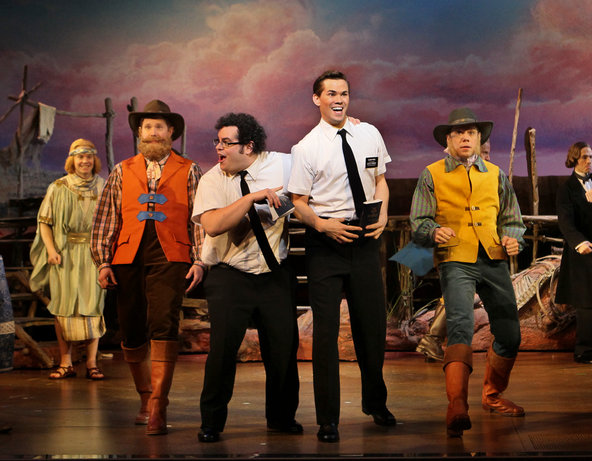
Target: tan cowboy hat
<point x="157" y="109"/>
<point x="460" y="117"/>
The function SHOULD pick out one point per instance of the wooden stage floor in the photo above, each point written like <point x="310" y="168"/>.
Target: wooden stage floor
<point x="76" y="418"/>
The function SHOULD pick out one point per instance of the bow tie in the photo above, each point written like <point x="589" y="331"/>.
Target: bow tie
<point x="584" y="178"/>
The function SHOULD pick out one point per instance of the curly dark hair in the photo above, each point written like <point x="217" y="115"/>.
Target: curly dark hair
<point x="317" y="87"/>
<point x="249" y="129"/>
<point x="574" y="152"/>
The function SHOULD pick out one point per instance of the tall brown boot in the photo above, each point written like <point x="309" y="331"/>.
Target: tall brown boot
<point x="164" y="356"/>
<point x="431" y="344"/>
<point x="458" y="365"/>
<point x="137" y="359"/>
<point x="497" y="376"/>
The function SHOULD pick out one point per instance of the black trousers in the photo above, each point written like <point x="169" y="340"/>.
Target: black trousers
<point x="583" y="331"/>
<point x="353" y="268"/>
<point x="236" y="299"/>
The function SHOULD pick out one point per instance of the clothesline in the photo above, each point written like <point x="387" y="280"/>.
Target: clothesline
<point x="64" y="112"/>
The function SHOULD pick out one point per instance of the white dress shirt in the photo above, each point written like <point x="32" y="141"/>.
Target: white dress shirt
<point x="238" y="247"/>
<point x="319" y="169"/>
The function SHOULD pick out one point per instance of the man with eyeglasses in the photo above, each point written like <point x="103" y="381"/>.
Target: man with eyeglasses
<point x="249" y="280"/>
<point x="466" y="209"/>
<point x="337" y="167"/>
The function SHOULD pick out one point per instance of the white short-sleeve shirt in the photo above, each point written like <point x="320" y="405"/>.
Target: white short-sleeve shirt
<point x="238" y="247"/>
<point x="319" y="171"/>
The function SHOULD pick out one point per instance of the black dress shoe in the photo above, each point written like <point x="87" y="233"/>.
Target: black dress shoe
<point x="208" y="435"/>
<point x="5" y="428"/>
<point x="328" y="433"/>
<point x="586" y="357"/>
<point x="382" y="417"/>
<point x="293" y="427"/>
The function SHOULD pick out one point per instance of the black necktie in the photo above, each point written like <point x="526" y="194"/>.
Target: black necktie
<point x="354" y="176"/>
<point x="258" y="228"/>
<point x="585" y="177"/>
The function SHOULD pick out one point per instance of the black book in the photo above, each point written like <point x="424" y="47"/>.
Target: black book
<point x="284" y="209"/>
<point x="370" y="212"/>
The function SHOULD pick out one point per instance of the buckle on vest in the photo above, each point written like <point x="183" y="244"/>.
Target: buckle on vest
<point x="152" y="198"/>
<point x="154" y="215"/>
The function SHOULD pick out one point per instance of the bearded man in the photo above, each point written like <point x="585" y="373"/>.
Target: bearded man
<point x="146" y="247"/>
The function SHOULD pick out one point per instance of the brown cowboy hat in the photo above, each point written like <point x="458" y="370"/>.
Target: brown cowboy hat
<point x="157" y="109"/>
<point x="460" y="117"/>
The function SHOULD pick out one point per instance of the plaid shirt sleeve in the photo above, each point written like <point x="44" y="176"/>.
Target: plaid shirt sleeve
<point x="107" y="220"/>
<point x="423" y="210"/>
<point x="196" y="232"/>
<point x="509" y="219"/>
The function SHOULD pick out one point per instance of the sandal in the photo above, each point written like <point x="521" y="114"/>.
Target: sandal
<point x="94" y="373"/>
<point x="62" y="373"/>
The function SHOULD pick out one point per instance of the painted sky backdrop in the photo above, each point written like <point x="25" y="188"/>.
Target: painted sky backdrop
<point x="409" y="62"/>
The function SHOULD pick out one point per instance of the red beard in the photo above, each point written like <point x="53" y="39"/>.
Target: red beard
<point x="155" y="148"/>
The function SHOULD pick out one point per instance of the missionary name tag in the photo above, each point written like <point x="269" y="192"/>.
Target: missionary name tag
<point x="371" y="162"/>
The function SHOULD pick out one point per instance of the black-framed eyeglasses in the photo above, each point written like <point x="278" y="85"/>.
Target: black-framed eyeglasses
<point x="225" y="144"/>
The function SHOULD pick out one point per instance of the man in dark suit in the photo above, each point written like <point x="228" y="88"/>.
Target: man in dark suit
<point x="574" y="210"/>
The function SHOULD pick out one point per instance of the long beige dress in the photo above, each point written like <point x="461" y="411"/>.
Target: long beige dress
<point x="76" y="296"/>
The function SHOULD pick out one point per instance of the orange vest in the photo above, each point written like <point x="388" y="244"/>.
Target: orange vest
<point x="469" y="205"/>
<point x="172" y="230"/>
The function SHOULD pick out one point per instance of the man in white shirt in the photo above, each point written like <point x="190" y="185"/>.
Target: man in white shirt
<point x="248" y="279"/>
<point x="340" y="255"/>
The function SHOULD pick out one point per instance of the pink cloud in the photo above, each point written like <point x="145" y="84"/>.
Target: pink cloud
<point x="262" y="57"/>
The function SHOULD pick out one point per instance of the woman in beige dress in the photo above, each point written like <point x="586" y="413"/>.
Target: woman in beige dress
<point x="61" y="258"/>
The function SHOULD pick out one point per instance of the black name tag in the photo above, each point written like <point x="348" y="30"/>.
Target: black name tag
<point x="371" y="162"/>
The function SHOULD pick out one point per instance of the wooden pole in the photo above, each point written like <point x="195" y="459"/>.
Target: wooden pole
<point x="109" y="116"/>
<point x="534" y="181"/>
<point x="184" y="142"/>
<point x="19" y="134"/>
<point x="513" y="259"/>
<point x="404" y="309"/>
<point x="32" y="103"/>
<point x="514" y="134"/>
<point x="534" y="178"/>
<point x="9" y="111"/>
<point x="133" y="107"/>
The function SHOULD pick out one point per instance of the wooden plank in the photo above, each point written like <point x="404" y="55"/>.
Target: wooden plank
<point x="514" y="134"/>
<point x="35" y="349"/>
<point x="109" y="116"/>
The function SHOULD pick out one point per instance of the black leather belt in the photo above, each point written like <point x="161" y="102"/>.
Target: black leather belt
<point x="347" y="222"/>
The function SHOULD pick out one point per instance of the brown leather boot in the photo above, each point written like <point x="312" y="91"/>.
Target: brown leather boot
<point x="164" y="357"/>
<point x="431" y="344"/>
<point x="458" y="365"/>
<point x="497" y="376"/>
<point x="137" y="359"/>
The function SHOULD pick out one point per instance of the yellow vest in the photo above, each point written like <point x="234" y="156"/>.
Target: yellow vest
<point x="469" y="205"/>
